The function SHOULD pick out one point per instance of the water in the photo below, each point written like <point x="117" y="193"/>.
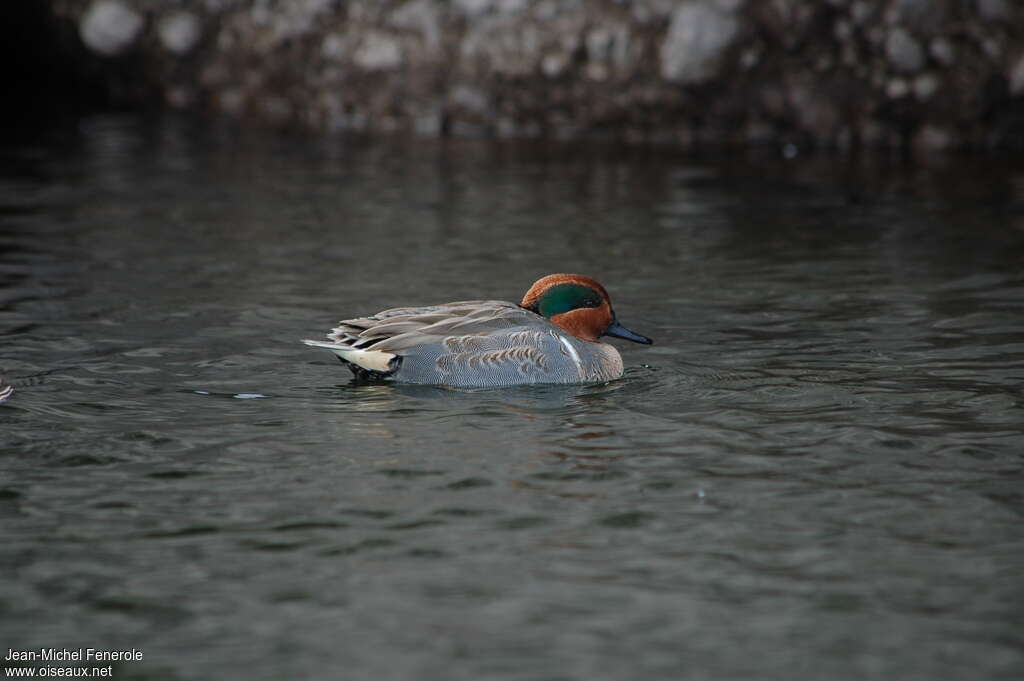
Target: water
<point x="815" y="472"/>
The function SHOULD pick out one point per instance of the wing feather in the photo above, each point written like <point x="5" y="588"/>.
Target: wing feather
<point x="404" y="327"/>
<point x="456" y="342"/>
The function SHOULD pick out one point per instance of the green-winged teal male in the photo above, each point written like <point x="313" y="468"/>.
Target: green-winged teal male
<point x="552" y="336"/>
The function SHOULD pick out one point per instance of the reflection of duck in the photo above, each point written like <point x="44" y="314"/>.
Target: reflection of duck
<point x="552" y="336"/>
<point x="6" y="389"/>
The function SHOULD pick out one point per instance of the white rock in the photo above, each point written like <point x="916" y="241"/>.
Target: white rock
<point x="510" y="46"/>
<point x="333" y="46"/>
<point x="179" y="32"/>
<point x="424" y="17"/>
<point x="904" y="52"/>
<point x="110" y="27"/>
<point x="598" y="41"/>
<point x="698" y="36"/>
<point x="378" y="51"/>
<point x="469" y="98"/>
<point x="1017" y="77"/>
<point x="553" y="64"/>
<point x="610" y="44"/>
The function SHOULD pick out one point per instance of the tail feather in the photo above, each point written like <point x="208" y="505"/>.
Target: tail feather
<point x="371" y="360"/>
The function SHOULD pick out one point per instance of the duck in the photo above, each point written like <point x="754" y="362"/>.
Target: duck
<point x="551" y="336"/>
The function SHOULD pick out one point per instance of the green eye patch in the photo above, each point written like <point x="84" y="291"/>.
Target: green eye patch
<point x="565" y="297"/>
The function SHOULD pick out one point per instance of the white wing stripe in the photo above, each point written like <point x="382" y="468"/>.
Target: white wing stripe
<point x="572" y="353"/>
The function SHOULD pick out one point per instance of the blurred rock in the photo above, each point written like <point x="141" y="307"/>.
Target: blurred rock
<point x="179" y="32"/>
<point x="942" y="51"/>
<point x="904" y="52"/>
<point x="378" y="51"/>
<point x="1016" y="77"/>
<point x="928" y="74"/>
<point x="698" y="36"/>
<point x="921" y="16"/>
<point x="109" y="27"/>
<point x="994" y="10"/>
<point x="926" y="85"/>
<point x="897" y="88"/>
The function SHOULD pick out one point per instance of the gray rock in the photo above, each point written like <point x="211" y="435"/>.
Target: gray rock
<point x="473" y="8"/>
<point x="422" y="16"/>
<point x="378" y="51"/>
<point x="1017" y="77"/>
<point x="512" y="6"/>
<point x="942" y="51"/>
<point x="730" y="5"/>
<point x="610" y="44"/>
<point x="579" y="67"/>
<point x="843" y="30"/>
<point x="698" y="37"/>
<point x="921" y="15"/>
<point x="994" y="10"/>
<point x="333" y="47"/>
<point x="469" y="98"/>
<point x="109" y="27"/>
<point x="179" y="32"/>
<point x="861" y="12"/>
<point x="934" y="138"/>
<point x="903" y="51"/>
<point x="993" y="47"/>
<point x="926" y="85"/>
<point x="506" y="45"/>
<point x="897" y="88"/>
<point x="292" y="20"/>
<point x="648" y="10"/>
<point x="554" y="64"/>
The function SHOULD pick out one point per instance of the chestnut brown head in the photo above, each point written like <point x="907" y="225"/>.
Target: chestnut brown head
<point x="579" y="305"/>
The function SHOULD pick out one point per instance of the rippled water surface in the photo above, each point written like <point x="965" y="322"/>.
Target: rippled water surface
<point x="815" y="472"/>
